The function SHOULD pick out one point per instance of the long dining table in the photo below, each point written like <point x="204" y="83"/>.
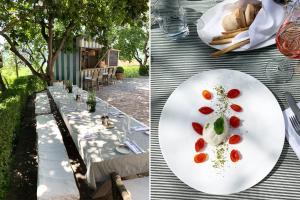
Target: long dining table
<point x="173" y="62"/>
<point x="97" y="144"/>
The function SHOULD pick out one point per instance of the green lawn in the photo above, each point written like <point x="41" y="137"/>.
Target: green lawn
<point x="131" y="71"/>
<point x="9" y="73"/>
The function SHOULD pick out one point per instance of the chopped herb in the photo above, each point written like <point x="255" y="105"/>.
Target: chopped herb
<point x="220" y="156"/>
<point x="219" y="126"/>
<point x="222" y="104"/>
<point x="207" y="125"/>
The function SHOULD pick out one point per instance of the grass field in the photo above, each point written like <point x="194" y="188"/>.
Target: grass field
<point x="9" y="73"/>
<point x="131" y="71"/>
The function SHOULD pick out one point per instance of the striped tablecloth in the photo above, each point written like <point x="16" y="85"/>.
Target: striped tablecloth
<point x="172" y="62"/>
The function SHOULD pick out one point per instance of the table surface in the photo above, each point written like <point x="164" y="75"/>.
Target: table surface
<point x="172" y="62"/>
<point x="99" y="154"/>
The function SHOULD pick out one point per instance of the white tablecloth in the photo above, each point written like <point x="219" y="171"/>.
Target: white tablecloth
<point x="99" y="154"/>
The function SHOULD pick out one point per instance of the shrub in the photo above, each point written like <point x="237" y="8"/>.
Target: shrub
<point x="11" y="105"/>
<point x="120" y="70"/>
<point x="144" y="70"/>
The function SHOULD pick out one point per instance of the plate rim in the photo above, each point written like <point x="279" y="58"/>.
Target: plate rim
<point x="260" y="179"/>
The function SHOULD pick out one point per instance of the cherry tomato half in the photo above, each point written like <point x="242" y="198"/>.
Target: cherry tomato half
<point x="197" y="127"/>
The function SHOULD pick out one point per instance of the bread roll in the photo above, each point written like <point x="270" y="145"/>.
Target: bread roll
<point x="240" y="17"/>
<point x="250" y="14"/>
<point x="230" y="22"/>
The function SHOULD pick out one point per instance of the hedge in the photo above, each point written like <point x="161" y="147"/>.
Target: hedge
<point x="12" y="103"/>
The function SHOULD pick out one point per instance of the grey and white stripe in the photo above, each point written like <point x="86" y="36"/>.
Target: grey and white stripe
<point x="172" y="62"/>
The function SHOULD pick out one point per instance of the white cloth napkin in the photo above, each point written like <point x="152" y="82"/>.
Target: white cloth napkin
<point x="132" y="147"/>
<point x="292" y="137"/>
<point x="265" y="25"/>
<point x="139" y="128"/>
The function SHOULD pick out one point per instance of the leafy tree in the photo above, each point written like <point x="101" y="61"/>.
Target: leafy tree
<point x="133" y="40"/>
<point x="39" y="29"/>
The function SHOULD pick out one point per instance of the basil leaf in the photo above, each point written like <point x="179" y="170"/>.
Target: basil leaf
<point x="219" y="126"/>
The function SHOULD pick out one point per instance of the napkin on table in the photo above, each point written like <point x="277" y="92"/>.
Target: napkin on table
<point x="132" y="147"/>
<point x="292" y="137"/>
<point x="139" y="128"/>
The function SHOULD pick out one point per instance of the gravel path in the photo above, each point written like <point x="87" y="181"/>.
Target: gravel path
<point x="130" y="96"/>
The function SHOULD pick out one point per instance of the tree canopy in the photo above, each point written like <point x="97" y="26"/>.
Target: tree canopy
<point x="40" y="29"/>
<point x="132" y="40"/>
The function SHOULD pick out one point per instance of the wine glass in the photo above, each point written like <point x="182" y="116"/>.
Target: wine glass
<point x="279" y="70"/>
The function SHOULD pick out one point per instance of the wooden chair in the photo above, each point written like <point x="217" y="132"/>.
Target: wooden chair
<point x="105" y="76"/>
<point x="100" y="77"/>
<point x="110" y="74"/>
<point x="93" y="81"/>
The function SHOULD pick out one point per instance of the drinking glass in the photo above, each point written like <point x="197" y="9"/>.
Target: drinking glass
<point x="122" y="134"/>
<point x="279" y="70"/>
<point x="106" y="109"/>
<point x="171" y="18"/>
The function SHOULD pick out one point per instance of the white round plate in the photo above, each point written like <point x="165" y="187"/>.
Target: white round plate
<point x="206" y="36"/>
<point x="123" y="149"/>
<point x="262" y="130"/>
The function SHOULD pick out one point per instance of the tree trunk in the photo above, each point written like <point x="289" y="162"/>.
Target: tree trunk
<point x="17" y="67"/>
<point x="2" y="85"/>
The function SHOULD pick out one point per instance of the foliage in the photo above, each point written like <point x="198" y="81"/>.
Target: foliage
<point x="144" y="70"/>
<point x="120" y="69"/>
<point x="11" y="105"/>
<point x="37" y="28"/>
<point x="69" y="86"/>
<point x="131" y="71"/>
<point x="133" y="40"/>
<point x="9" y="73"/>
<point x="91" y="98"/>
<point x="91" y="102"/>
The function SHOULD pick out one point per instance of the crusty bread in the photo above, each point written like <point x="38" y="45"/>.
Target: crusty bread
<point x="240" y="16"/>
<point x="230" y="22"/>
<point x="249" y="14"/>
<point x="257" y="8"/>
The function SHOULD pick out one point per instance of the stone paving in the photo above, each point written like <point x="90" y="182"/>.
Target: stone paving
<point x="130" y="96"/>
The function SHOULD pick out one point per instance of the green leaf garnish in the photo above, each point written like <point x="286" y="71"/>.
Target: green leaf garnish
<point x="219" y="126"/>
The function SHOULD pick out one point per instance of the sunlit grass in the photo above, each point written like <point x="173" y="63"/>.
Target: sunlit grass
<point x="131" y="71"/>
<point x="9" y="73"/>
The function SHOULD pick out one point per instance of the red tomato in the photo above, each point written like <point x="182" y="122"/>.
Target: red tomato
<point x="206" y="94"/>
<point x="234" y="155"/>
<point x="197" y="127"/>
<point x="236" y="107"/>
<point x="206" y="110"/>
<point x="234" y="139"/>
<point x="233" y="93"/>
<point x="199" y="144"/>
<point x="201" y="157"/>
<point x="234" y="122"/>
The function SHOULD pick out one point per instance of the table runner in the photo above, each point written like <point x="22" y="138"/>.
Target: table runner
<point x="172" y="62"/>
<point x="99" y="154"/>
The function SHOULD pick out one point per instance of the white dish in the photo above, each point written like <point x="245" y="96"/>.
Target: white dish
<point x="206" y="36"/>
<point x="123" y="149"/>
<point x="262" y="131"/>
